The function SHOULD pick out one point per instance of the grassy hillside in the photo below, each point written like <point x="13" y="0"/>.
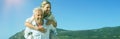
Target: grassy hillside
<point x="102" y="33"/>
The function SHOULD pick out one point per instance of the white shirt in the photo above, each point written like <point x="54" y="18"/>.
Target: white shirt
<point x="35" y="33"/>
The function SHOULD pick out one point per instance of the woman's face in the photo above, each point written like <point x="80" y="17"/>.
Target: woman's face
<point x="47" y="8"/>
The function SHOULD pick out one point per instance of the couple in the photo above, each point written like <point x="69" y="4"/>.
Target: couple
<point x="42" y="24"/>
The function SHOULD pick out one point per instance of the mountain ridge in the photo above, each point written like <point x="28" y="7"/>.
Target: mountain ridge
<point x="102" y="33"/>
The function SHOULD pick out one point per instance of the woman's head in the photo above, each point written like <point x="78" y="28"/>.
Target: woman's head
<point x="44" y="2"/>
<point x="46" y="6"/>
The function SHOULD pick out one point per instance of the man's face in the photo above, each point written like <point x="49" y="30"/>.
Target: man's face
<point x="38" y="16"/>
<point x="47" y="8"/>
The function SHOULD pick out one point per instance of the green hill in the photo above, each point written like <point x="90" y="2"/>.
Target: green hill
<point x="102" y="33"/>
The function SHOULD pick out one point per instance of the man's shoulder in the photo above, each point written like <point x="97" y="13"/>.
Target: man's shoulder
<point x="30" y="19"/>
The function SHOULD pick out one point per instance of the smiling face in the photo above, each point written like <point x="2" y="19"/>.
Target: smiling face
<point x="47" y="8"/>
<point x="38" y="16"/>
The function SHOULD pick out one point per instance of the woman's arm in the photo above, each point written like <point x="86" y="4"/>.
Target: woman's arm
<point x="54" y="23"/>
<point x="33" y="27"/>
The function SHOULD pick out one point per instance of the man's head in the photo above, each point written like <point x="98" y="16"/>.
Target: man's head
<point x="38" y="15"/>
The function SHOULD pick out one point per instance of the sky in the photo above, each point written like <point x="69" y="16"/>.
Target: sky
<point x="70" y="14"/>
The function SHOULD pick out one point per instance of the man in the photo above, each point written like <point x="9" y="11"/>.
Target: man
<point x="34" y="28"/>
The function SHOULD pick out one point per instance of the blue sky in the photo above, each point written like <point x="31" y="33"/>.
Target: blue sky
<point x="70" y="14"/>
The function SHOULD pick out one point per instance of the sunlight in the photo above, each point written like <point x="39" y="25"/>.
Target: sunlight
<point x="10" y="5"/>
<point x="13" y="2"/>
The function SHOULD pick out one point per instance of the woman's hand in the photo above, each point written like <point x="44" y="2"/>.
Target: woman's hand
<point x="40" y="28"/>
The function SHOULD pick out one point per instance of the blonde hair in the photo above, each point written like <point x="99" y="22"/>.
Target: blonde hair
<point x="44" y="2"/>
<point x="35" y="9"/>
